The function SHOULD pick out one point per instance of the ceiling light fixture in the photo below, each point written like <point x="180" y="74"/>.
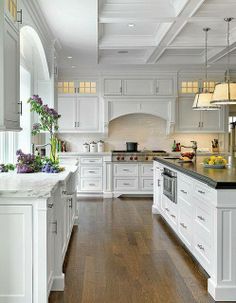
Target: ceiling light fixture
<point x="73" y="66"/>
<point x="225" y="93"/>
<point x="202" y="100"/>
<point x="131" y="25"/>
<point x="69" y="57"/>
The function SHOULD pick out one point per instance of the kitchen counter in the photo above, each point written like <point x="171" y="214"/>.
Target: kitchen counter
<point x="36" y="185"/>
<point x="74" y="154"/>
<point x="216" y="178"/>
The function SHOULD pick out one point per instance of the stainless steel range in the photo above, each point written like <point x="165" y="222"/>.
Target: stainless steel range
<point x="142" y="156"/>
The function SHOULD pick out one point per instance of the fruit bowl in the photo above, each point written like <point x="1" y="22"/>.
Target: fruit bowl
<point x="217" y="162"/>
<point x="188" y="155"/>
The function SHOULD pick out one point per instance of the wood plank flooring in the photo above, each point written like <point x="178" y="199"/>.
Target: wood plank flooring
<point x="122" y="254"/>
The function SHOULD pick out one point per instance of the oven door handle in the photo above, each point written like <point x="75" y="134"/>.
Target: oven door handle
<point x="168" y="177"/>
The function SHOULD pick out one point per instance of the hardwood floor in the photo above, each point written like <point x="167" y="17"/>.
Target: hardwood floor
<point x="122" y="254"/>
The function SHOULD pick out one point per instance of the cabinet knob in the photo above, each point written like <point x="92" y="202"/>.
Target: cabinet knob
<point x="183" y="225"/>
<point x="183" y="191"/>
<point x="50" y="205"/>
<point x="201" y="246"/>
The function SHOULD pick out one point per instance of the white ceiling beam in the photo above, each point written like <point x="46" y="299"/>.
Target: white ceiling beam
<point x="175" y="29"/>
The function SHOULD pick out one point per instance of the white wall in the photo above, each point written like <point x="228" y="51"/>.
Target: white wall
<point x="147" y="130"/>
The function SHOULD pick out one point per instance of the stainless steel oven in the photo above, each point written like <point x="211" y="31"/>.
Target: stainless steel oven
<point x="170" y="184"/>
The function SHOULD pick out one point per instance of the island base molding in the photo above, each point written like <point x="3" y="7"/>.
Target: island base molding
<point x="221" y="293"/>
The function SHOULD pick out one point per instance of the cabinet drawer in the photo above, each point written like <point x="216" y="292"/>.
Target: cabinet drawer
<point x="203" y="216"/>
<point x="185" y="204"/>
<point x="202" y="252"/>
<point x="185" y="226"/>
<point x="126" y="170"/>
<point x="184" y="189"/>
<point x="91" y="160"/>
<point x="146" y="184"/>
<point x="204" y="193"/>
<point x="171" y="211"/>
<point x="91" y="185"/>
<point x="146" y="170"/>
<point x="88" y="172"/>
<point x="128" y="184"/>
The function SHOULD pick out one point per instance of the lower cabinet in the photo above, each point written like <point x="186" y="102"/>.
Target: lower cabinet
<point x="16" y="236"/>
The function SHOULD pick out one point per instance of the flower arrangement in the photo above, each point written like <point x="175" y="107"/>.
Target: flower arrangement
<point x="48" y="122"/>
<point x="28" y="163"/>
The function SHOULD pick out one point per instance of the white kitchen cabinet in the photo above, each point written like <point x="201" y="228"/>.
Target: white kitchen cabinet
<point x="139" y="87"/>
<point x="157" y="187"/>
<point x="190" y="120"/>
<point x="10" y="107"/>
<point x="51" y="232"/>
<point x="164" y="87"/>
<point x="78" y="114"/>
<point x="66" y="108"/>
<point x="112" y="87"/>
<point x="16" y="254"/>
<point x="88" y="114"/>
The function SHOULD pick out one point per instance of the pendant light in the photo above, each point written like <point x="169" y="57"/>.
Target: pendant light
<point x="202" y="100"/>
<point x="225" y="93"/>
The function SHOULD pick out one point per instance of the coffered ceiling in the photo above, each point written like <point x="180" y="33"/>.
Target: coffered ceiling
<point x="167" y="33"/>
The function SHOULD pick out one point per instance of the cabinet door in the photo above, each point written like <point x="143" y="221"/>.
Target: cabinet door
<point x="139" y="87"/>
<point x="188" y="119"/>
<point x="16" y="254"/>
<point x="213" y="120"/>
<point x="51" y="231"/>
<point x="88" y="114"/>
<point x="164" y="87"/>
<point x="11" y="77"/>
<point x="67" y="110"/>
<point x="112" y="87"/>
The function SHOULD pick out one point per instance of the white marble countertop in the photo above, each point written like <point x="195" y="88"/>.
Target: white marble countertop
<point x="36" y="185"/>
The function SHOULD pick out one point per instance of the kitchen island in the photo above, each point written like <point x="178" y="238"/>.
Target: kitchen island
<point x="37" y="214"/>
<point x="199" y="204"/>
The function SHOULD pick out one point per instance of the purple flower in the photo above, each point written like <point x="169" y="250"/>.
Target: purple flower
<point x="36" y="126"/>
<point x="19" y="152"/>
<point x="35" y="97"/>
<point x="39" y="101"/>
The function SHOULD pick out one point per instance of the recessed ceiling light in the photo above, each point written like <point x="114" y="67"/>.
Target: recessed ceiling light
<point x="131" y="25"/>
<point x="69" y="57"/>
<point x="123" y="52"/>
<point x="73" y="66"/>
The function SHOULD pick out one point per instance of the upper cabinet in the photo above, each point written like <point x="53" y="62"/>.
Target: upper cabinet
<point x="191" y="121"/>
<point x="83" y="88"/>
<point x="10" y="104"/>
<point x="139" y="87"/>
<point x="112" y="87"/>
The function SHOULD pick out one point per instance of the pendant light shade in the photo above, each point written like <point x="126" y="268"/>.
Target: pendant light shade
<point x="225" y="93"/>
<point x="202" y="101"/>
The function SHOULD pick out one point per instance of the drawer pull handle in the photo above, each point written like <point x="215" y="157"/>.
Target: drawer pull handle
<point x="125" y="169"/>
<point x="183" y="191"/>
<point x="151" y="184"/>
<point x="92" y="171"/>
<point x="92" y="184"/>
<point x="50" y="205"/>
<point x="55" y="224"/>
<point x="91" y="161"/>
<point x="183" y="225"/>
<point x="173" y="216"/>
<point x="158" y="182"/>
<point x="167" y="209"/>
<point x="201" y="247"/>
<point x="64" y="192"/>
<point x="201" y="192"/>
<point x="201" y="218"/>
<point x="70" y="202"/>
<point x="126" y="184"/>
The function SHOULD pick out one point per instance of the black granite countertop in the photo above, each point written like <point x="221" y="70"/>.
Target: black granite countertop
<point x="217" y="178"/>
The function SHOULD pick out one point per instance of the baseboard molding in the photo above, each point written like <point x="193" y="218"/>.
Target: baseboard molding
<point x="221" y="293"/>
<point x="58" y="283"/>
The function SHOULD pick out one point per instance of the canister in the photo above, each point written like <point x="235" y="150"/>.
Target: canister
<point x="100" y="145"/>
<point x="93" y="147"/>
<point x="86" y="147"/>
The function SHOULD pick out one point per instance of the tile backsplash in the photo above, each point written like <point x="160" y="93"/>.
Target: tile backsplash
<point x="149" y="131"/>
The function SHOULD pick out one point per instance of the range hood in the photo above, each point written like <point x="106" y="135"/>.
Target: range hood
<point x="162" y="108"/>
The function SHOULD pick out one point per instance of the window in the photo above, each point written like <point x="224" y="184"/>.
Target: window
<point x="209" y="85"/>
<point x="87" y="87"/>
<point x="189" y="87"/>
<point x="12" y="8"/>
<point x="67" y="87"/>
